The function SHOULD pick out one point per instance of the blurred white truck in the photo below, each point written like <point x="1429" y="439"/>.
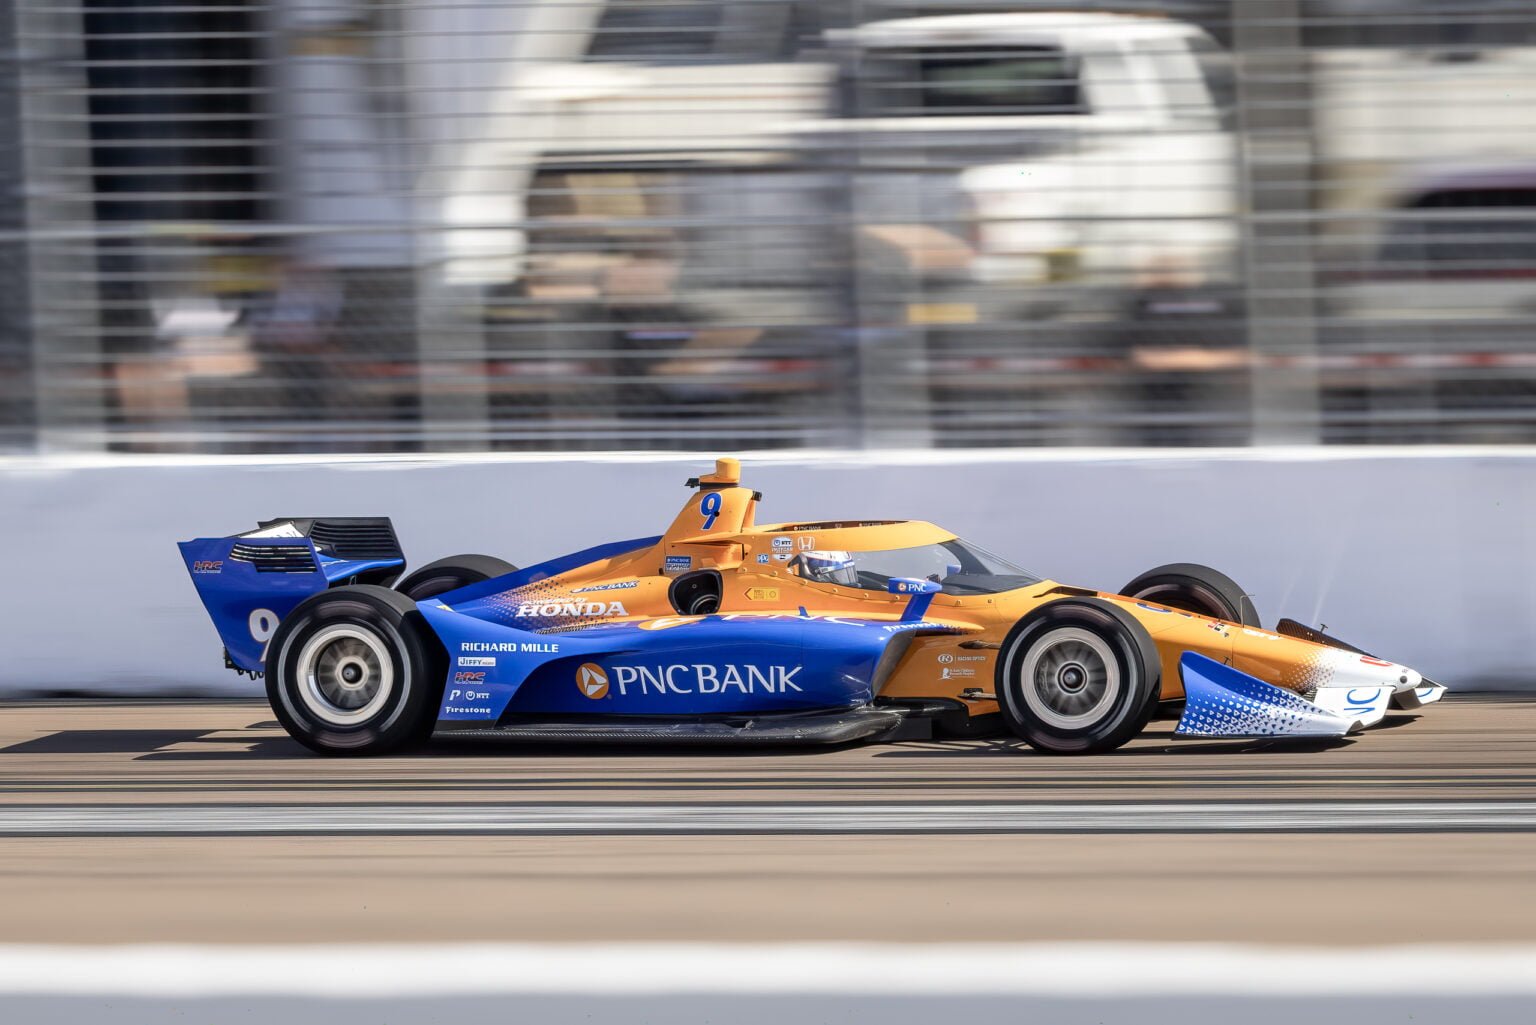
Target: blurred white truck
<point x="1074" y="147"/>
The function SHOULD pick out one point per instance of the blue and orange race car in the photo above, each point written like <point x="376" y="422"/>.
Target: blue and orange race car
<point x="722" y="629"/>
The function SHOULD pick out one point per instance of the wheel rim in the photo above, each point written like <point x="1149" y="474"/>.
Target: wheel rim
<point x="345" y="675"/>
<point x="1189" y="598"/>
<point x="1070" y="678"/>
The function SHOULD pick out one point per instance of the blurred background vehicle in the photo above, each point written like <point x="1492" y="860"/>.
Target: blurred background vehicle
<point x="367" y="226"/>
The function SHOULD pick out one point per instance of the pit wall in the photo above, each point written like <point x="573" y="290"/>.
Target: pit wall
<point x="1424" y="556"/>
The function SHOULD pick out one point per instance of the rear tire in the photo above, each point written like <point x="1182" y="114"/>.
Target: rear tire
<point x="1195" y="588"/>
<point x="1078" y="676"/>
<point x="355" y="671"/>
<point x="452" y="573"/>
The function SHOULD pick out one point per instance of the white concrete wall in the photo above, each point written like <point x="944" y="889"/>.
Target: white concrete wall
<point x="1424" y="556"/>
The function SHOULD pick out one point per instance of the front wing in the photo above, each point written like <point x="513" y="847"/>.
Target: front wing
<point x="1224" y="702"/>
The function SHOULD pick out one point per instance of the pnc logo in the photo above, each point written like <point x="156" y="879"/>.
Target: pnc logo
<point x="592" y="681"/>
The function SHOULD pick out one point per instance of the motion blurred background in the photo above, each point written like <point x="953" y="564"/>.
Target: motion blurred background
<point x="349" y="226"/>
<point x="1097" y="285"/>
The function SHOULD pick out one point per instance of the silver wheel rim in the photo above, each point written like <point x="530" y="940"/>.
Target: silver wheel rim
<point x="1070" y="678"/>
<point x="345" y="675"/>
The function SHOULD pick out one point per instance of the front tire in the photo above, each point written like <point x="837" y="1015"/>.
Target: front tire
<point x="355" y="671"/>
<point x="1078" y="676"/>
<point x="1195" y="588"/>
<point x="452" y="573"/>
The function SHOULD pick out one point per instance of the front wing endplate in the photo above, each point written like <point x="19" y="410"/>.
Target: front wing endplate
<point x="1223" y="702"/>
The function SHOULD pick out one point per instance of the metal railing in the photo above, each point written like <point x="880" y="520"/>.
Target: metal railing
<point x="337" y="225"/>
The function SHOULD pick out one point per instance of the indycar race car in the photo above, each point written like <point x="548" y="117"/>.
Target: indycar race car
<point x="724" y="630"/>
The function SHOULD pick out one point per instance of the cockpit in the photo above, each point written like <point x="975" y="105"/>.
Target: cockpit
<point x="958" y="567"/>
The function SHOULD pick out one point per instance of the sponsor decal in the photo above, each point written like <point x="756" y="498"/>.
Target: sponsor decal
<point x="703" y="678"/>
<point x="782" y="556"/>
<point x="1153" y="608"/>
<point x="461" y="677"/>
<point x="471" y="661"/>
<point x="470" y="695"/>
<point x="461" y="710"/>
<point x="552" y="609"/>
<point x="903" y="587"/>
<point x="677" y="564"/>
<point x="783" y="544"/>
<point x="763" y="559"/>
<point x="807" y="542"/>
<point x="668" y="622"/>
<point x="592" y="681"/>
<point x="542" y="647"/>
<point x="973" y="658"/>
<point x="733" y="617"/>
<point x="1362" y="700"/>
<point x="957" y="674"/>
<point x="618" y="585"/>
<point x="207" y="566"/>
<point x="762" y="594"/>
<point x="946" y="658"/>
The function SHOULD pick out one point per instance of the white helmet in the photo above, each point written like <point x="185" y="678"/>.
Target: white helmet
<point x="829" y="567"/>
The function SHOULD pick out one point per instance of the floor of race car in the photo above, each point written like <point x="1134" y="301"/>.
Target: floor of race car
<point x="202" y="822"/>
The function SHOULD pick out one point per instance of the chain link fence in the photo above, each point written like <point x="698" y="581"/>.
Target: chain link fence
<point x="341" y="225"/>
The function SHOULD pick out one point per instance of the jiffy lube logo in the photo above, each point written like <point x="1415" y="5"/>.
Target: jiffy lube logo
<point x="687" y="678"/>
<point x="554" y="609"/>
<point x="592" y="681"/>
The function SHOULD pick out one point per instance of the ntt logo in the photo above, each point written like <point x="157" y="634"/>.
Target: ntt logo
<point x="592" y="681"/>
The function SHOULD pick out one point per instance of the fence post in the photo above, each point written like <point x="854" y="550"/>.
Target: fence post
<point x="18" y="406"/>
<point x="70" y="379"/>
<point x="1274" y="112"/>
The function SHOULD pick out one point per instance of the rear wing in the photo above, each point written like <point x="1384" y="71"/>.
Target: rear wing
<point x="248" y="582"/>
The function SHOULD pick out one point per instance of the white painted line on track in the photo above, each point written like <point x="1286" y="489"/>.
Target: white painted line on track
<point x="1069" y="970"/>
<point x="468" y="819"/>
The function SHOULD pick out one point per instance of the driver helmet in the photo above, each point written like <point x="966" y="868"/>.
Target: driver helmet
<point x="829" y="567"/>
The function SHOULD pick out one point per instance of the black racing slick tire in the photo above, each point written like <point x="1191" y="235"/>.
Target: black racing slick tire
<point x="450" y="574"/>
<point x="355" y="671"/>
<point x="1195" y="588"/>
<point x="1078" y="676"/>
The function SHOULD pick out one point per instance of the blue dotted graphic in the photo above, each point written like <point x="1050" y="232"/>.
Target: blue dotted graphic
<point x="1222" y="702"/>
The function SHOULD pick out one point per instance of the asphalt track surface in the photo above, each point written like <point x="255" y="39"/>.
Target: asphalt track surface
<point x="167" y="821"/>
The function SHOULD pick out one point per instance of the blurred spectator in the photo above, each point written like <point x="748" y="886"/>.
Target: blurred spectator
<point x="294" y="336"/>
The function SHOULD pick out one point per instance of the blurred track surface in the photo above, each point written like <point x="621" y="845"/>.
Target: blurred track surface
<point x="1342" y="875"/>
